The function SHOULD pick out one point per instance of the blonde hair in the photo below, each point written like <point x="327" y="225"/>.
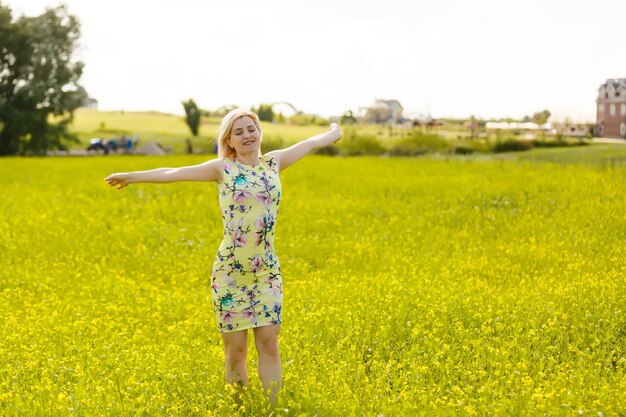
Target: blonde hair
<point x="223" y="134"/>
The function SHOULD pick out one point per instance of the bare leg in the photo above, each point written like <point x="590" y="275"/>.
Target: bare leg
<point x="270" y="370"/>
<point x="235" y="352"/>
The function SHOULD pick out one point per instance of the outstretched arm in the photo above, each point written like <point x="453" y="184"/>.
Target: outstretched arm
<point x="288" y="156"/>
<point x="206" y="171"/>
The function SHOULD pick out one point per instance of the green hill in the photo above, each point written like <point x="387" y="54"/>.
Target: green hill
<point x="169" y="130"/>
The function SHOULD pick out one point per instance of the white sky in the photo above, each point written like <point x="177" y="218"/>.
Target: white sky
<point x="449" y="58"/>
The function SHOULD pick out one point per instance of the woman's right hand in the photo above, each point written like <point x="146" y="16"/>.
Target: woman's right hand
<point x="122" y="179"/>
<point x="334" y="132"/>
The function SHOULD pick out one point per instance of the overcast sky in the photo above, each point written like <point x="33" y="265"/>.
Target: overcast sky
<point x="448" y="58"/>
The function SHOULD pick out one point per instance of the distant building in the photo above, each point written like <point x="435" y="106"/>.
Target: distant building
<point x="611" y="111"/>
<point x="528" y="130"/>
<point x="384" y="111"/>
<point x="573" y="129"/>
<point x="517" y="126"/>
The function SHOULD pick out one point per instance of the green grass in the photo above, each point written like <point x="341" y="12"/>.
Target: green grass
<point x="172" y="131"/>
<point x="169" y="130"/>
<point x="595" y="154"/>
<point x="413" y="286"/>
<point x="129" y="122"/>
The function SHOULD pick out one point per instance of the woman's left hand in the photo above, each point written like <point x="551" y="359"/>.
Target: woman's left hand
<point x="334" y="132"/>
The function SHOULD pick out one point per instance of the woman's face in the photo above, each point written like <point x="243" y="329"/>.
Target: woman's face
<point x="245" y="138"/>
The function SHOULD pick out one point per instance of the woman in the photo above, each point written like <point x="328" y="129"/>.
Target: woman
<point x="246" y="284"/>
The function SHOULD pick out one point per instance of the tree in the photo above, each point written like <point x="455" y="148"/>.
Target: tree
<point x="265" y="113"/>
<point x="473" y="125"/>
<point x="541" y="117"/>
<point x="39" y="88"/>
<point x="347" y="118"/>
<point x="192" y="116"/>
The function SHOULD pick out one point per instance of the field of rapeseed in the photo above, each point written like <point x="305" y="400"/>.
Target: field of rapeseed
<point x="412" y="287"/>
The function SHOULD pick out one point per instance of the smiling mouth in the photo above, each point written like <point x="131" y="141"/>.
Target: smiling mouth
<point x="248" y="142"/>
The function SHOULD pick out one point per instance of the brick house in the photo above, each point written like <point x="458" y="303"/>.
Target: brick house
<point x="611" y="111"/>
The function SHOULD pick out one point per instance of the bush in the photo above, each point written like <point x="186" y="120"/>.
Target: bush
<point x="307" y="120"/>
<point x="512" y="145"/>
<point x="557" y="143"/>
<point x="478" y="146"/>
<point x="327" y="150"/>
<point x="354" y="144"/>
<point x="462" y="150"/>
<point x="418" y="144"/>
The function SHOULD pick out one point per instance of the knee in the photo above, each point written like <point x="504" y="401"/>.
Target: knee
<point x="267" y="346"/>
<point x="235" y="354"/>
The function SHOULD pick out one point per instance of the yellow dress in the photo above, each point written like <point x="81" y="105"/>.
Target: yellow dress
<point x="246" y="284"/>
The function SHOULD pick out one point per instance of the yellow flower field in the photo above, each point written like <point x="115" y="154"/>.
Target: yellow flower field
<point x="412" y="287"/>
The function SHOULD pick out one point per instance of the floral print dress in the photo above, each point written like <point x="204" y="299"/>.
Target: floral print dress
<point x="246" y="284"/>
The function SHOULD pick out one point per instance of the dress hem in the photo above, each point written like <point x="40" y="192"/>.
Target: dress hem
<point x="249" y="327"/>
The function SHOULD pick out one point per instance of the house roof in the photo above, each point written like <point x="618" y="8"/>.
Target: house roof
<point x="613" y="87"/>
<point x="615" y="82"/>
<point x="389" y="104"/>
<point x="393" y="103"/>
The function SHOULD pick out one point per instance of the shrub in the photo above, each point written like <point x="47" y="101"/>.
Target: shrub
<point x="462" y="150"/>
<point x="327" y="150"/>
<point x="354" y="144"/>
<point x="512" y="145"/>
<point x="307" y="120"/>
<point x="557" y="143"/>
<point x="478" y="146"/>
<point x="418" y="144"/>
